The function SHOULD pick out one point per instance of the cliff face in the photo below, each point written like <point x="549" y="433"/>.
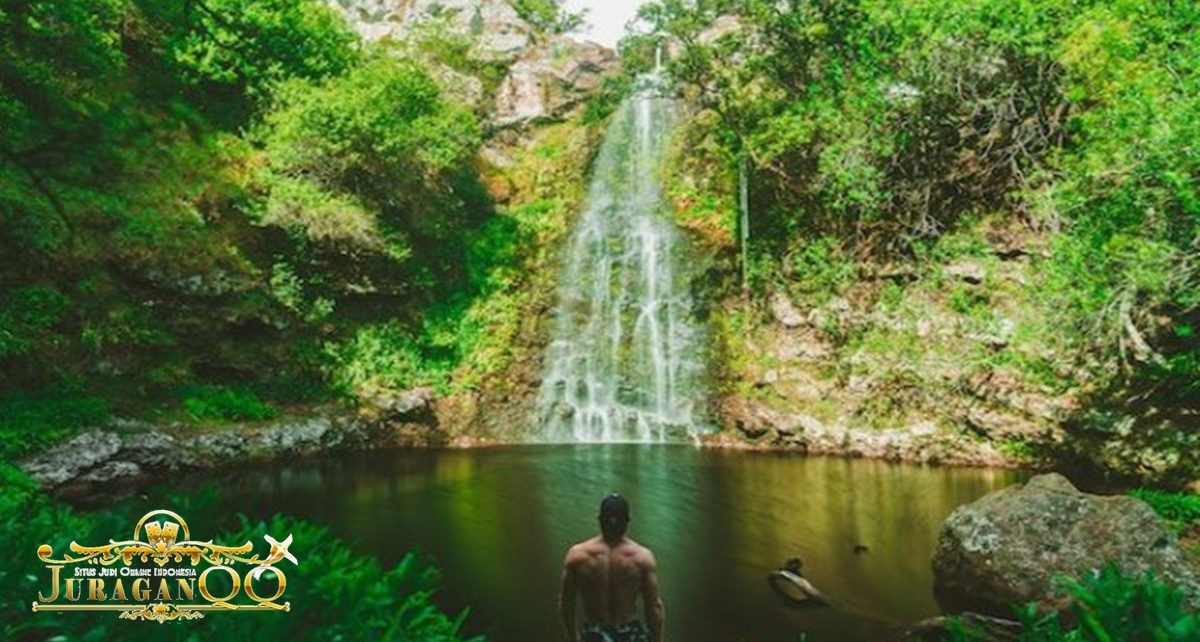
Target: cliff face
<point x="505" y="67"/>
<point x="496" y="32"/>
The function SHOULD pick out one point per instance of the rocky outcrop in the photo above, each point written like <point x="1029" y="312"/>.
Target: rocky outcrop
<point x="550" y="80"/>
<point x="546" y="76"/>
<point x="1010" y="546"/>
<point x="758" y="425"/>
<point x="128" y="450"/>
<point x="872" y="381"/>
<point x="493" y="27"/>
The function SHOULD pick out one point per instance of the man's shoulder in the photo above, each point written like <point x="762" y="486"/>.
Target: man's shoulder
<point x="580" y="551"/>
<point x="642" y="553"/>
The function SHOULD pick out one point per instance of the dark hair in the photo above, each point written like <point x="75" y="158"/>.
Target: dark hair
<point x="614" y="518"/>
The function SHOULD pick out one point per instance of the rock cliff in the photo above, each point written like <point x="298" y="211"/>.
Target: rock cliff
<point x="545" y="77"/>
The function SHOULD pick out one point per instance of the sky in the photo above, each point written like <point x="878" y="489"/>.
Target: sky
<point x="605" y="19"/>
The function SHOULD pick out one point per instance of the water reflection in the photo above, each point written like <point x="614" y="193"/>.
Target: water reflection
<point x="499" y="522"/>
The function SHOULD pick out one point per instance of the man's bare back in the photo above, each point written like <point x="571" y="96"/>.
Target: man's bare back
<point x="609" y="573"/>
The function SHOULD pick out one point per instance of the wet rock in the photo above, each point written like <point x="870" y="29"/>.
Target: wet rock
<point x="111" y="471"/>
<point x="218" y="446"/>
<point x="550" y="80"/>
<point x="102" y="456"/>
<point x="1010" y="546"/>
<point x="295" y="437"/>
<point x="153" y="449"/>
<point x="72" y="458"/>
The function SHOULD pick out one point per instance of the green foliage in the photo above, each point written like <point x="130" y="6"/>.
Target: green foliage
<point x="607" y="97"/>
<point x="336" y="593"/>
<point x="152" y="154"/>
<point x="1105" y="607"/>
<point x="549" y="16"/>
<point x="968" y="300"/>
<point x="123" y="179"/>
<point x="223" y="403"/>
<point x="374" y="163"/>
<point x="890" y="126"/>
<point x="1181" y="511"/>
<point x="235" y="50"/>
<point x="31" y="422"/>
<point x="821" y="267"/>
<point x="384" y="356"/>
<point x="27" y="317"/>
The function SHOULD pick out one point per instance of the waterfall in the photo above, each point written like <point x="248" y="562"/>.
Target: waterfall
<point x="626" y="359"/>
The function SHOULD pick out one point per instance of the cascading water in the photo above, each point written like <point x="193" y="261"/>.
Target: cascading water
<point x="625" y="363"/>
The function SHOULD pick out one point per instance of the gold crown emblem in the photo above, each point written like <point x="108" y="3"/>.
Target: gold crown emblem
<point x="162" y="536"/>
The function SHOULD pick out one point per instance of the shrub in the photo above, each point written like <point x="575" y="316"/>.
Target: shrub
<point x="1106" y="606"/>
<point x="223" y="403"/>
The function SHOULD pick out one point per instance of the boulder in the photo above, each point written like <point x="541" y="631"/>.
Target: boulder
<point x="1010" y="546"/>
<point x="550" y="80"/>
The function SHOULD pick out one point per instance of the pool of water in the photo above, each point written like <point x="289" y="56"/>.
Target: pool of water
<point x="498" y="522"/>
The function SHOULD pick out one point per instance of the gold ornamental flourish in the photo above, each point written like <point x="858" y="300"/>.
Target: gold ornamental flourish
<point x="167" y="550"/>
<point x="162" y="546"/>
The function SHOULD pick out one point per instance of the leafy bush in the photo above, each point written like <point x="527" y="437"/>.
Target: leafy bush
<point x="223" y="403"/>
<point x="1106" y="606"/>
<point x="382" y="356"/>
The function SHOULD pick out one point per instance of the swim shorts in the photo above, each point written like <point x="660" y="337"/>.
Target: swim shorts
<point x="629" y="632"/>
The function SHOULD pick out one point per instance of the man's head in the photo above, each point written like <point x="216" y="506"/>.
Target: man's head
<point x="614" y="518"/>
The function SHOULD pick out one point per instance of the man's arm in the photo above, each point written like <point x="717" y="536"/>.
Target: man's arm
<point x="656" y="612"/>
<point x="567" y="601"/>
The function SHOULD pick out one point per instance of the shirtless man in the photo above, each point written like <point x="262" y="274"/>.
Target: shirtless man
<point x="609" y="572"/>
